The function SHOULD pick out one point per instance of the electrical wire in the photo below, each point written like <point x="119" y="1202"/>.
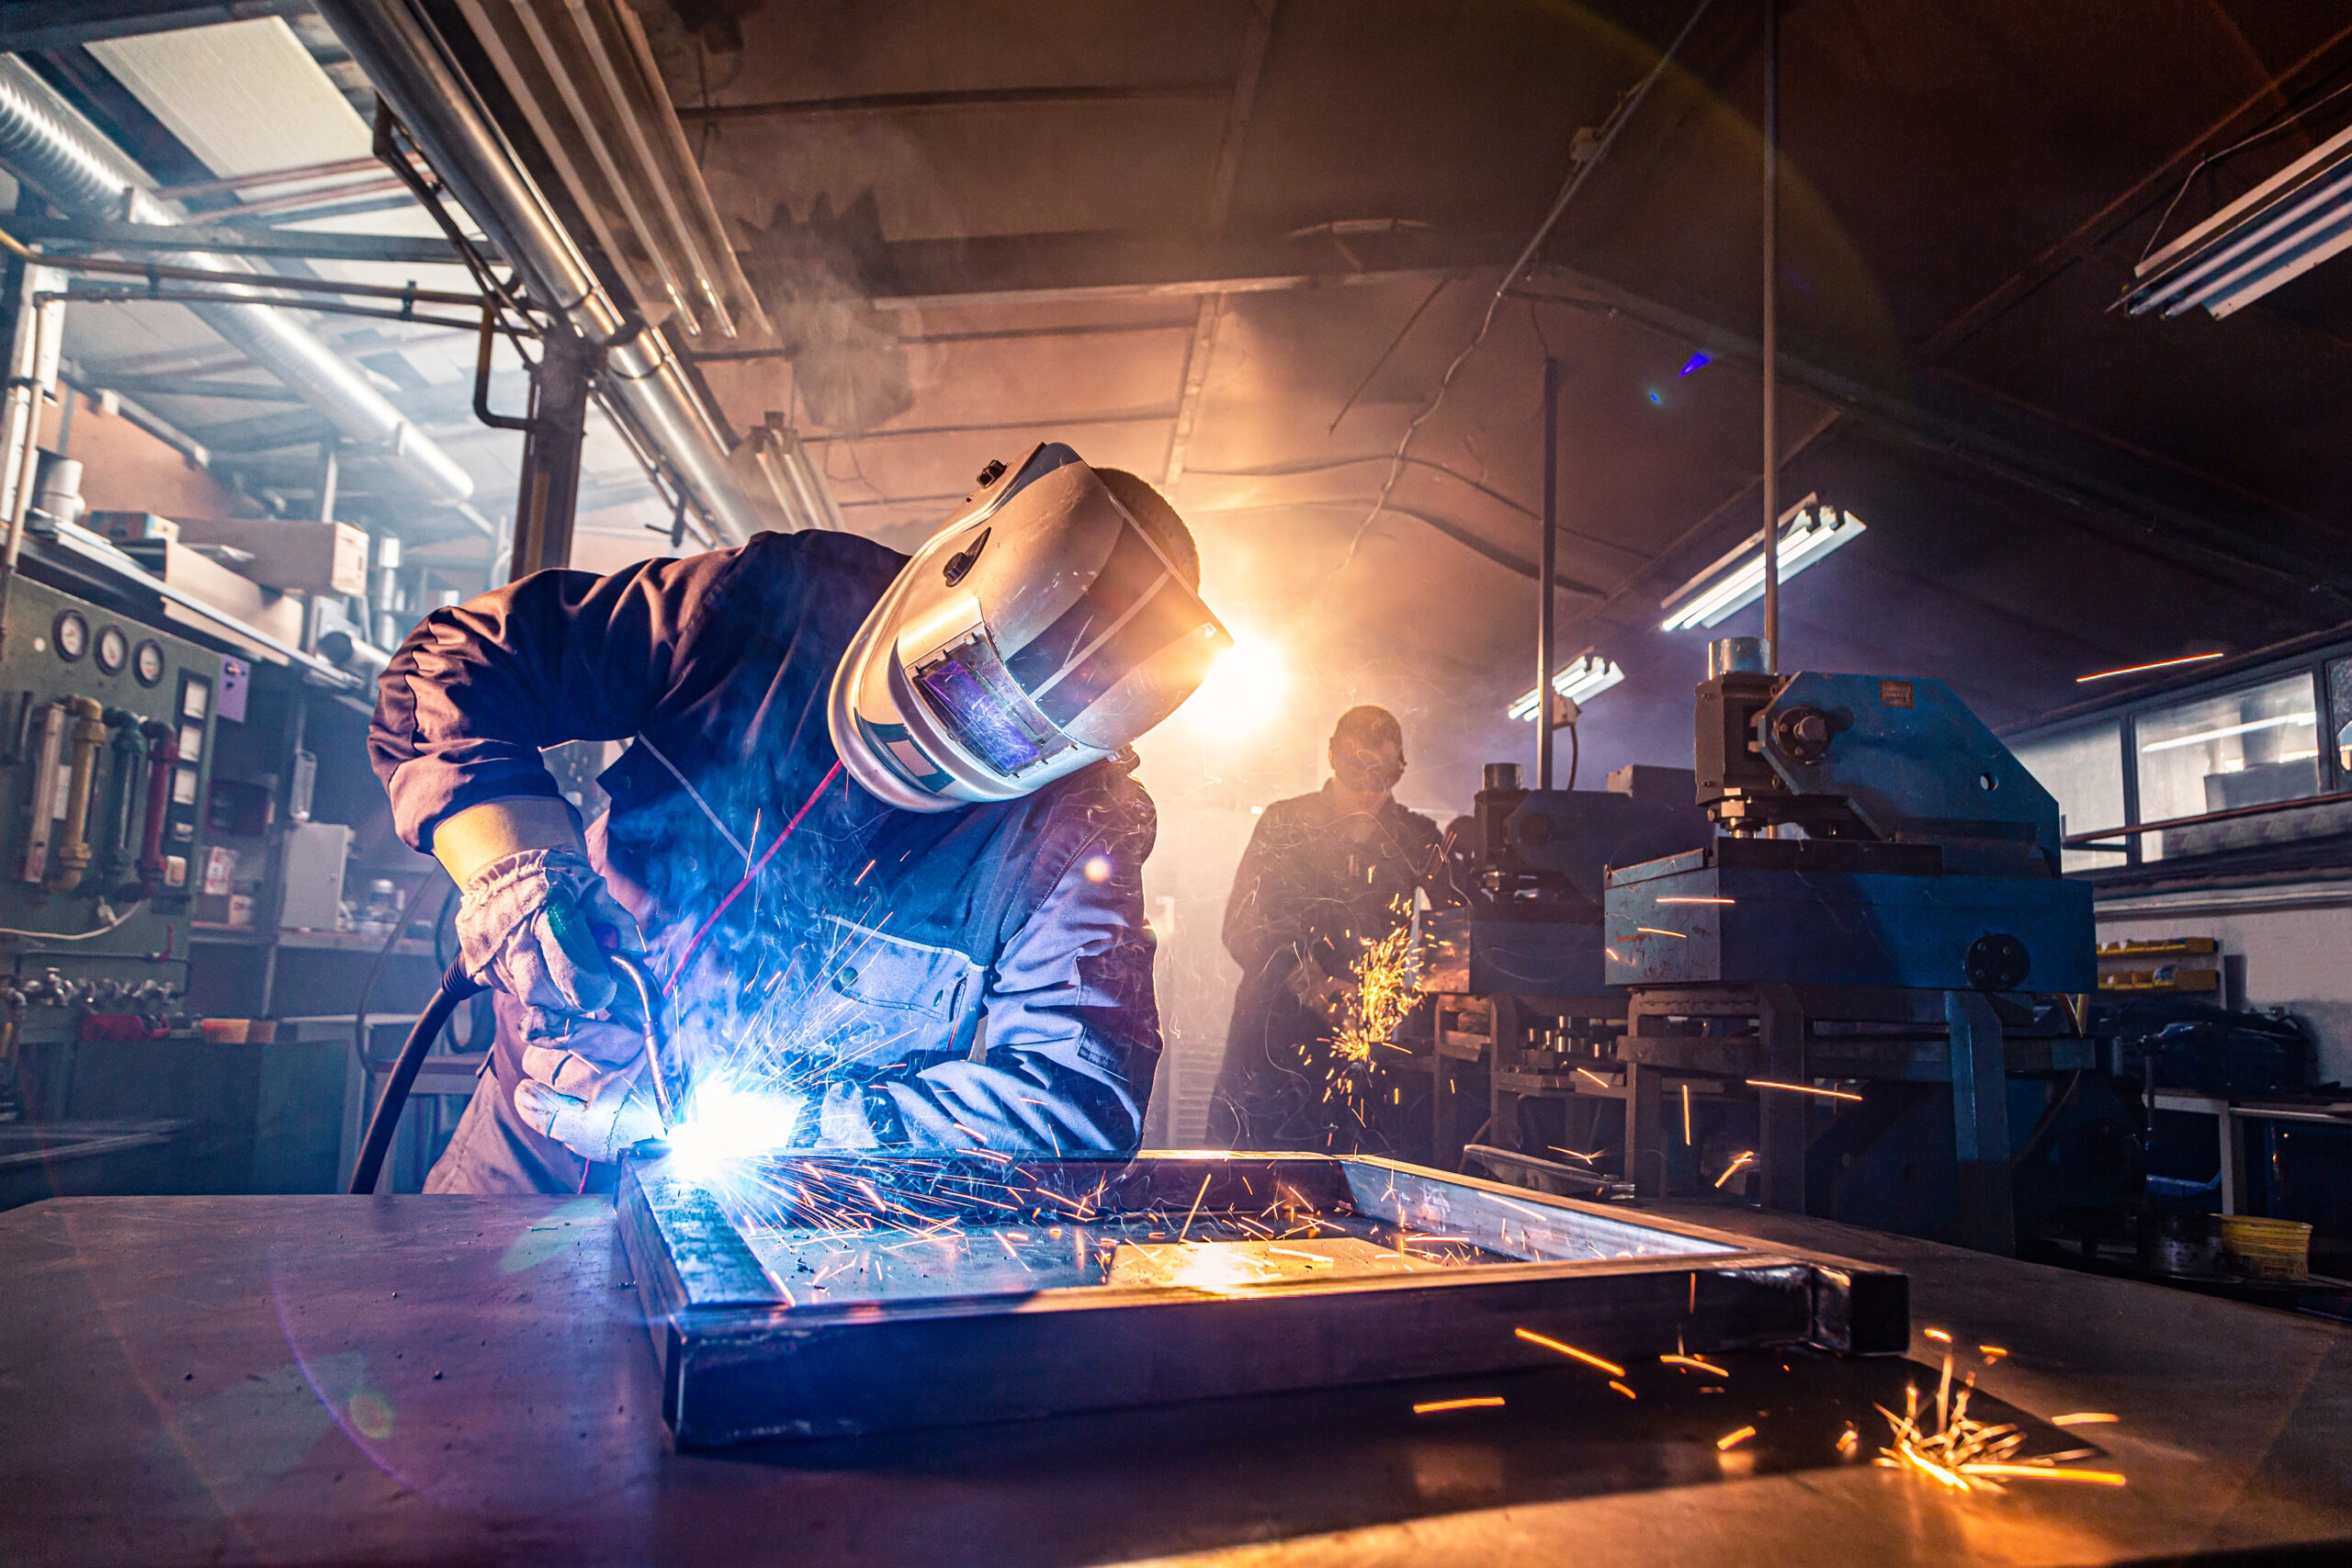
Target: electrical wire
<point x="401" y="923"/>
<point x="1609" y="130"/>
<point x="128" y="914"/>
<point x="2264" y="134"/>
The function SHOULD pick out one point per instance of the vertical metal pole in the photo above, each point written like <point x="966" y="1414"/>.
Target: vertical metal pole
<point x="1546" y="570"/>
<point x="330" y="476"/>
<point x="549" y="497"/>
<point x="1771" y="335"/>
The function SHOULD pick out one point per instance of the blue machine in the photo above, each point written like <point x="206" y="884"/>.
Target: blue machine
<point x="1930" y="860"/>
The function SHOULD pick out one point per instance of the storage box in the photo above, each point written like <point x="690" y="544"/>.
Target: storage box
<point x="310" y="557"/>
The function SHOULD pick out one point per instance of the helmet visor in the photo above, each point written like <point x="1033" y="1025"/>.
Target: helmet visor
<point x="983" y="709"/>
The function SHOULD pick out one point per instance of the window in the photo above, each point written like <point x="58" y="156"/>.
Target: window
<point x="2339" y="708"/>
<point x="2249" y="748"/>
<point x="2084" y="768"/>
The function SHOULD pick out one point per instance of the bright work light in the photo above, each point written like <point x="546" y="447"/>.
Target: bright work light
<point x="1585" y="678"/>
<point x="1737" y="580"/>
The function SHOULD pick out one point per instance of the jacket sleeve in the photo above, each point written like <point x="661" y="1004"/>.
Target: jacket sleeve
<point x="1071" y="1024"/>
<point x="478" y="689"/>
<point x="1262" y="913"/>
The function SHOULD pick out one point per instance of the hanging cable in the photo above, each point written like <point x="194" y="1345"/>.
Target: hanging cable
<point x="1588" y="156"/>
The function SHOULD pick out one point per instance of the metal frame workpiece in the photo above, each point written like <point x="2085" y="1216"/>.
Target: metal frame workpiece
<point x="740" y="1360"/>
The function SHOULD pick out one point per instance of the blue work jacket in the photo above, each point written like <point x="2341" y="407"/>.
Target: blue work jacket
<point x="919" y="981"/>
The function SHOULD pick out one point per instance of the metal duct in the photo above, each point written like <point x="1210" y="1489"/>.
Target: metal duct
<point x="406" y="65"/>
<point x="39" y="144"/>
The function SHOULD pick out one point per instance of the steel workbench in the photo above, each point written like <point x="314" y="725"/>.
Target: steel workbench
<point x="452" y="1380"/>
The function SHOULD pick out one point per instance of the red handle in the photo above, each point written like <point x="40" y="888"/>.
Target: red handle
<point x="163" y="751"/>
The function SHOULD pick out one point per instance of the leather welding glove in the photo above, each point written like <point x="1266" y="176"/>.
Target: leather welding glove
<point x="584" y="1084"/>
<point x="532" y="924"/>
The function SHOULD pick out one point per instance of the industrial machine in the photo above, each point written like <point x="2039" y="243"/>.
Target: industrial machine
<point x="1515" y="962"/>
<point x="1881" y="907"/>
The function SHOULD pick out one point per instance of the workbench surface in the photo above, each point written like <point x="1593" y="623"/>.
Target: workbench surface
<point x="457" y="1380"/>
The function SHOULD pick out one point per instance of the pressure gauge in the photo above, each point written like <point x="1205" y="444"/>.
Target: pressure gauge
<point x="113" y="649"/>
<point x="72" y="634"/>
<point x="147" y="662"/>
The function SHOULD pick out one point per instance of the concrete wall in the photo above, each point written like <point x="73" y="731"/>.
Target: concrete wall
<point x="2294" y="943"/>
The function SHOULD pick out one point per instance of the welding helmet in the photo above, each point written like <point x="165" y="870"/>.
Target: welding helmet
<point x="1041" y="630"/>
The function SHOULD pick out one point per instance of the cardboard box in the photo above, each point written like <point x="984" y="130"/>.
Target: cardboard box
<point x="311" y="557"/>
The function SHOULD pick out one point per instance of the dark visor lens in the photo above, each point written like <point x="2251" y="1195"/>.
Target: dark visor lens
<point x="966" y="686"/>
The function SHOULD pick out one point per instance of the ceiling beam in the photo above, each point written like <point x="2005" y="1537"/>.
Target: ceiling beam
<point x="2023" y="444"/>
<point x="870" y="104"/>
<point x="110" y="235"/>
<point x="1036" y="269"/>
<point x="29" y="25"/>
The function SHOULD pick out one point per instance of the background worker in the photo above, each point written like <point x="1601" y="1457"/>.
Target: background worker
<point x="1324" y="876"/>
<point x="875" y="827"/>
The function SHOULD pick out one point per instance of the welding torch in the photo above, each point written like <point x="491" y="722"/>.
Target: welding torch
<point x="456" y="986"/>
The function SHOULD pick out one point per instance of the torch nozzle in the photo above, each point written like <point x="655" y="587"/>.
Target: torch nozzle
<point x="657" y="1035"/>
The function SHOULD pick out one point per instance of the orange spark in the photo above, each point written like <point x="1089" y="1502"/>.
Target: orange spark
<point x="1731" y="1440"/>
<point x="2085" y="1418"/>
<point x="1485" y="1402"/>
<point x="1612" y="1368"/>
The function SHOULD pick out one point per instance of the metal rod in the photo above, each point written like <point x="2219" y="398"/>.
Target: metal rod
<point x="1545" y="603"/>
<point x="2234" y="813"/>
<point x="268" y="177"/>
<point x="1771" y="335"/>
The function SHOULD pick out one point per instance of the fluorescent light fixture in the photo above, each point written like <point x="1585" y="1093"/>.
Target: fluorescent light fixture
<point x="1585" y="678"/>
<point x="2229" y="729"/>
<point x="1737" y="580"/>
<point x="2276" y="232"/>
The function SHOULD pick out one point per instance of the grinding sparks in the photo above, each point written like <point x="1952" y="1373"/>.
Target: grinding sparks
<point x="1588" y="1072"/>
<point x="1653" y="930"/>
<point x="1620" y="1388"/>
<point x="1612" y="1368"/>
<point x="1686" y="1116"/>
<point x="1694" y="1362"/>
<point x="1739" y="1163"/>
<point x="1803" y="1088"/>
<point x="1731" y="1440"/>
<point x="1487" y="1402"/>
<point x="1964" y="1455"/>
<point x="1693" y="899"/>
<point x="1937" y="1335"/>
<point x="2086" y="1418"/>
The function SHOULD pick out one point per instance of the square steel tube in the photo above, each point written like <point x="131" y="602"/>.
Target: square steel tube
<point x="740" y="1361"/>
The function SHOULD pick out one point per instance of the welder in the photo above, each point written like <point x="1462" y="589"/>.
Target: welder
<point x="1325" y="875"/>
<point x="875" y="829"/>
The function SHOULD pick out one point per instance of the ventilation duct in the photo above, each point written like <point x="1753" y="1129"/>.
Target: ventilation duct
<point x="73" y="167"/>
<point x="643" y="383"/>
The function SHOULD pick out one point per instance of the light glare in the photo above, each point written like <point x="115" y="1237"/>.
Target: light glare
<point x="1243" y="692"/>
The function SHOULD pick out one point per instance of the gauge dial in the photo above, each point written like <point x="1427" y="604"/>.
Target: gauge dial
<point x="113" y="649"/>
<point x="72" y="634"/>
<point x="147" y="662"/>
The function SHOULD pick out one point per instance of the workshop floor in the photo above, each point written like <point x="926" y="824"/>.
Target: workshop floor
<point x="456" y="1380"/>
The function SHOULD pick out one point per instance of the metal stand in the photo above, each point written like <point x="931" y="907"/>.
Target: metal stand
<point x="1955" y="1039"/>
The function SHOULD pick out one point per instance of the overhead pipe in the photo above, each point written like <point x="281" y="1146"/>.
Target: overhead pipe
<point x="406" y="64"/>
<point x="38" y="145"/>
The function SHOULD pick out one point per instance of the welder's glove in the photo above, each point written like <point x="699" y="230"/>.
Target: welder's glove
<point x="584" y="1084"/>
<point x="534" y="924"/>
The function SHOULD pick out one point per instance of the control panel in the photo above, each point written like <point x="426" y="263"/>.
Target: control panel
<point x="106" y="748"/>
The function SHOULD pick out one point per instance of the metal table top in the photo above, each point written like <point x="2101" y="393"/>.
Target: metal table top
<point x="449" y="1380"/>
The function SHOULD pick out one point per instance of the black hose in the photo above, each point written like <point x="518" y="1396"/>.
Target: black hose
<point x="456" y="986"/>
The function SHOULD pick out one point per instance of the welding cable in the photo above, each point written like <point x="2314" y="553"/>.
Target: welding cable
<point x="456" y="986"/>
<point x="749" y="877"/>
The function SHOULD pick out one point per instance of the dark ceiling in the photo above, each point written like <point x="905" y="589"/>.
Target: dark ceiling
<point x="1185" y="237"/>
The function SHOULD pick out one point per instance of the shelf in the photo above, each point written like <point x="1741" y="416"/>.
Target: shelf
<point x="212" y="935"/>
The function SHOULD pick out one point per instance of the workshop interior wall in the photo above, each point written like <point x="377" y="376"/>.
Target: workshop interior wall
<point x="2299" y="959"/>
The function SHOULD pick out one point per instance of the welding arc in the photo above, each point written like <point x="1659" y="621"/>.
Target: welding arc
<point x="704" y="929"/>
<point x="456" y="986"/>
